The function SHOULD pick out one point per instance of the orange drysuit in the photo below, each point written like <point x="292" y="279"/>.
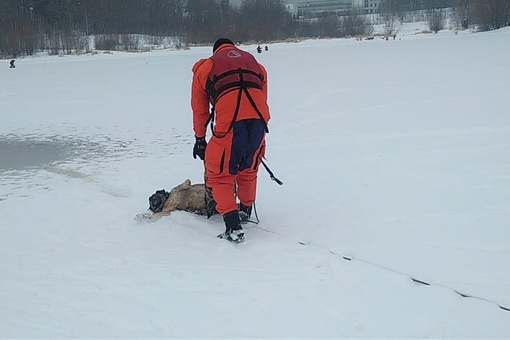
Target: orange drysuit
<point x="237" y="146"/>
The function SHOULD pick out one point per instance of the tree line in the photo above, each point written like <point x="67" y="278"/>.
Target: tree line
<point x="485" y="14"/>
<point x="63" y="26"/>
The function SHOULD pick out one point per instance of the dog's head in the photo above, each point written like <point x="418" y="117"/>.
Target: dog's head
<point x="157" y="200"/>
<point x="169" y="201"/>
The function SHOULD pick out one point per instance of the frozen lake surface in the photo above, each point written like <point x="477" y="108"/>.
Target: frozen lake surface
<point x="396" y="161"/>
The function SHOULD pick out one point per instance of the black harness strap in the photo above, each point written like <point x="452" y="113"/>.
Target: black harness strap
<point x="248" y="95"/>
<point x="215" y="93"/>
<point x="242" y="86"/>
<point x="271" y="175"/>
<point x="236" y="112"/>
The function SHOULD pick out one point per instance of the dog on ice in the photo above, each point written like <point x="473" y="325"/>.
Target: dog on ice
<point x="193" y="198"/>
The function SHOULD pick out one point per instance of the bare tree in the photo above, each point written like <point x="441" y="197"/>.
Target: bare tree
<point x="354" y="25"/>
<point x="263" y="20"/>
<point x="389" y="11"/>
<point x="63" y="26"/>
<point x="328" y="25"/>
<point x="20" y="29"/>
<point x="436" y="20"/>
<point x="202" y="20"/>
<point x="492" y="14"/>
<point x="462" y="13"/>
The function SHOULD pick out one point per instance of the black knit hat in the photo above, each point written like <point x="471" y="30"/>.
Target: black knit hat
<point x="220" y="42"/>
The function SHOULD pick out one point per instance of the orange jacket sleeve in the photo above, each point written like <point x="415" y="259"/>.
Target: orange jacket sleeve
<point x="199" y="96"/>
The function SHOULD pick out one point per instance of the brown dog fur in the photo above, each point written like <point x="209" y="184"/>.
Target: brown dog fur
<point x="185" y="197"/>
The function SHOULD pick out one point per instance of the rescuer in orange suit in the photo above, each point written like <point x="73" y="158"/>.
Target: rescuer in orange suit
<point x="229" y="90"/>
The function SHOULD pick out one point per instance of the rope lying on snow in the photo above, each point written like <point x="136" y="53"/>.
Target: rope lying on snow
<point x="373" y="264"/>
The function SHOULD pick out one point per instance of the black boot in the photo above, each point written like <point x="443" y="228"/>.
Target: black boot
<point x="244" y="213"/>
<point x="233" y="230"/>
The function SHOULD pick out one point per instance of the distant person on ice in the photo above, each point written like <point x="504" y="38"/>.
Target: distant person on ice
<point x="12" y="64"/>
<point x="235" y="84"/>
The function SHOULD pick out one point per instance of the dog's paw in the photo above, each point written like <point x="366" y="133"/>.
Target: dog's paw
<point x="145" y="217"/>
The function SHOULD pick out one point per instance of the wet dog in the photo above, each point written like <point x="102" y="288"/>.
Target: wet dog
<point x="186" y="197"/>
<point x="193" y="198"/>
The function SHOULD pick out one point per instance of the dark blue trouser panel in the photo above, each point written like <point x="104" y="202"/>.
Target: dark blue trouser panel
<point x="248" y="136"/>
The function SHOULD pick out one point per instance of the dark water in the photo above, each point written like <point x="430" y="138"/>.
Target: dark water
<point x="28" y="152"/>
<point x="30" y="162"/>
<point x="22" y="154"/>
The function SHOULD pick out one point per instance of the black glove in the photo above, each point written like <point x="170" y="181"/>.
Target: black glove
<point x="199" y="148"/>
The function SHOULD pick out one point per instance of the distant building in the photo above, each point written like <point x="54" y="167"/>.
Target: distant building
<point x="371" y="6"/>
<point x="311" y="8"/>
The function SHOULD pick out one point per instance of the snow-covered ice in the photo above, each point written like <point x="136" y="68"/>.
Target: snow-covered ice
<point x="396" y="161"/>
